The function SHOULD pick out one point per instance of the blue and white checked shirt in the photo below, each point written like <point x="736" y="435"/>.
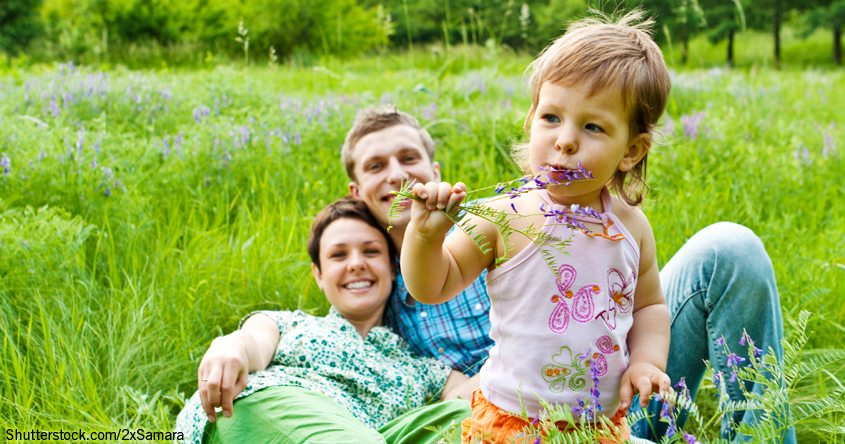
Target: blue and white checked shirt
<point x="456" y="331"/>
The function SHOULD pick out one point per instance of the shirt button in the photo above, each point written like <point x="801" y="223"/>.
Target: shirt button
<point x="369" y="400"/>
<point x="441" y="350"/>
<point x="423" y="314"/>
<point x="478" y="306"/>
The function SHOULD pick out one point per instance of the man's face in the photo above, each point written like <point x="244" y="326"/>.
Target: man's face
<point x="383" y="159"/>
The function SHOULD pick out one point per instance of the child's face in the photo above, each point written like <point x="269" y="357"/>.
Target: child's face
<point x="570" y="126"/>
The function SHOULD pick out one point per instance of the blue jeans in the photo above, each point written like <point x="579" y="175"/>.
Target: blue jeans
<point x="718" y="283"/>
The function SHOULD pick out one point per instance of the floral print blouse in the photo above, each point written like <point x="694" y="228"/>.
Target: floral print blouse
<point x="375" y="378"/>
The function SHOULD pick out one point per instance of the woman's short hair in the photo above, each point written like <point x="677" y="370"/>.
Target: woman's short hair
<point x="344" y="208"/>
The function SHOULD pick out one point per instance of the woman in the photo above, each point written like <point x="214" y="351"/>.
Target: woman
<point x="299" y="378"/>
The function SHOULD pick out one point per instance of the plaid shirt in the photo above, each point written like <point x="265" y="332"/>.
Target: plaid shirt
<point x="456" y="331"/>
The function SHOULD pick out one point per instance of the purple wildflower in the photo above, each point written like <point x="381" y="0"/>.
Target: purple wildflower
<point x="717" y="381"/>
<point x="514" y="208"/>
<point x="733" y="376"/>
<point x="691" y="439"/>
<point x="757" y="351"/>
<point x="829" y="144"/>
<point x="667" y="414"/>
<point x="54" y="107"/>
<point x="745" y="337"/>
<point x="5" y="163"/>
<point x="733" y="358"/>
<point x="580" y="409"/>
<point x="682" y="386"/>
<point x="720" y="342"/>
<point x="671" y="431"/>
<point x="297" y="139"/>
<point x="691" y="123"/>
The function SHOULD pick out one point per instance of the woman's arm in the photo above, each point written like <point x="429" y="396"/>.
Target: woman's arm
<point x="460" y="386"/>
<point x="223" y="371"/>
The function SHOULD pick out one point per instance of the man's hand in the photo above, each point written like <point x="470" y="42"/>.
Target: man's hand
<point x="642" y="378"/>
<point x="427" y="217"/>
<point x="223" y="374"/>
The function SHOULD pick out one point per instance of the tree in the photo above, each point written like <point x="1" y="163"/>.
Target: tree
<point x="725" y="17"/>
<point x="680" y="20"/>
<point x="829" y="14"/>
<point x="767" y="15"/>
<point x="19" y="24"/>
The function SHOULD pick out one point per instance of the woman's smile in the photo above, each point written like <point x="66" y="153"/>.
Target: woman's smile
<point x="355" y="271"/>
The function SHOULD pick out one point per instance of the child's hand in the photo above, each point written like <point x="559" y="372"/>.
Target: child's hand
<point x="642" y="378"/>
<point x="427" y="216"/>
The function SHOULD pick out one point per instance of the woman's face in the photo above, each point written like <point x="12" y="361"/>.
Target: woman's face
<point x="355" y="273"/>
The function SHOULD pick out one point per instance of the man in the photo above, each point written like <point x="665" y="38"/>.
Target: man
<point x="719" y="283"/>
<point x="383" y="149"/>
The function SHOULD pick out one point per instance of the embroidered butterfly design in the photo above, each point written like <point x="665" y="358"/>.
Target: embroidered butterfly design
<point x="620" y="292"/>
<point x="582" y="304"/>
<point x="607" y="347"/>
<point x="563" y="367"/>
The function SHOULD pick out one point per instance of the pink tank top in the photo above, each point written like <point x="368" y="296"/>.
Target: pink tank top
<point x="545" y="323"/>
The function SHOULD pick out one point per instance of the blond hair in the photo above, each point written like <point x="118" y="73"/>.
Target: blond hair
<point x="601" y="52"/>
<point x="376" y="119"/>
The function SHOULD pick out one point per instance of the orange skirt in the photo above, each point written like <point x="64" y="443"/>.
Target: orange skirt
<point x="492" y="425"/>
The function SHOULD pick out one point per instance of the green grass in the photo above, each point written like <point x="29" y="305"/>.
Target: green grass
<point x="107" y="303"/>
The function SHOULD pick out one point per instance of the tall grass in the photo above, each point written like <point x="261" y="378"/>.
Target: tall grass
<point x="188" y="204"/>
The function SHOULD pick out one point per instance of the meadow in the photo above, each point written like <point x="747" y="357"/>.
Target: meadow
<point x="143" y="213"/>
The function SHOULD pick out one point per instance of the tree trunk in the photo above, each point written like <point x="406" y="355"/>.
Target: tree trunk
<point x="837" y="46"/>
<point x="684" y="46"/>
<point x="730" y="47"/>
<point x="777" y="33"/>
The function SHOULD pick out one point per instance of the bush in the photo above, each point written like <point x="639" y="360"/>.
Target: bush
<point x="19" y="24"/>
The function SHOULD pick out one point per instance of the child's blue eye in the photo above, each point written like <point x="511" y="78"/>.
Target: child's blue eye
<point x="551" y="118"/>
<point x="593" y="127"/>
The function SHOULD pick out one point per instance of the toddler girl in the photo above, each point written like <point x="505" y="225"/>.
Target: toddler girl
<point x="595" y="331"/>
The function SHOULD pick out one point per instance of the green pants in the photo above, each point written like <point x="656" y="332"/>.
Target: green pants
<point x="294" y="415"/>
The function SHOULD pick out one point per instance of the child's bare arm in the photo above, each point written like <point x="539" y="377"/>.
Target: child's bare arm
<point x="648" y="339"/>
<point x="436" y="269"/>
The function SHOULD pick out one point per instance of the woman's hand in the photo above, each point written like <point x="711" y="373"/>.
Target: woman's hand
<point x="459" y="386"/>
<point x="224" y="369"/>
<point x="223" y="374"/>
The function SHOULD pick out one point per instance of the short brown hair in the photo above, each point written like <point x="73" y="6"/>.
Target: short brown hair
<point x="602" y="52"/>
<point x="344" y="208"/>
<point x="376" y="119"/>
